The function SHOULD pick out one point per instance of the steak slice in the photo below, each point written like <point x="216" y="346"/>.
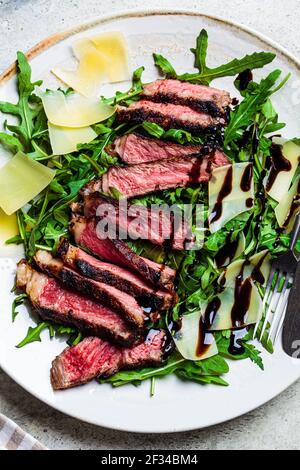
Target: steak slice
<point x="117" y="252"/>
<point x="96" y="358"/>
<point x="157" y="224"/>
<point x="113" y="298"/>
<point x="198" y="97"/>
<point x="115" y="276"/>
<point x="134" y="149"/>
<point x="145" y="178"/>
<point x="56" y="303"/>
<point x="169" y="116"/>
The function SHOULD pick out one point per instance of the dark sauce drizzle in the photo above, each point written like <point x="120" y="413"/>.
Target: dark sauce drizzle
<point x="249" y="202"/>
<point x="246" y="179"/>
<point x="257" y="274"/>
<point x="235" y="346"/>
<point x="227" y="252"/>
<point x="244" y="78"/>
<point x="278" y="163"/>
<point x="203" y="342"/>
<point x="294" y="207"/>
<point x="242" y="297"/>
<point x="224" y="192"/>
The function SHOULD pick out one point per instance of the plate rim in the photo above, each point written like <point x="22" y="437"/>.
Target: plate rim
<point x="58" y="37"/>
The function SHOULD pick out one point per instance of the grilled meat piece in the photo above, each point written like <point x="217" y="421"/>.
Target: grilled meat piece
<point x="201" y="98"/>
<point x="113" y="298"/>
<point x="54" y="302"/>
<point x="145" y="178"/>
<point x="158" y="224"/>
<point x="170" y="116"/>
<point x="116" y="251"/>
<point x="116" y="276"/>
<point x="135" y="149"/>
<point x="96" y="358"/>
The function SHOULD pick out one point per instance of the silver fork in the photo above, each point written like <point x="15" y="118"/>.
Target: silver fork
<point x="275" y="299"/>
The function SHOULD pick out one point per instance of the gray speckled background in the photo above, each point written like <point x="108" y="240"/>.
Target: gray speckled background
<point x="273" y="426"/>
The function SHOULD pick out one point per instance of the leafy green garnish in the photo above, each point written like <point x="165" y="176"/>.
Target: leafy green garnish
<point x="130" y="95"/>
<point x="19" y="300"/>
<point x="255" y="98"/>
<point x="33" y="334"/>
<point x="177" y="135"/>
<point x="206" y="74"/>
<point x="204" y="372"/>
<point x="26" y="110"/>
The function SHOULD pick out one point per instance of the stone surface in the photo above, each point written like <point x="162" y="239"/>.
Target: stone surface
<point x="273" y="426"/>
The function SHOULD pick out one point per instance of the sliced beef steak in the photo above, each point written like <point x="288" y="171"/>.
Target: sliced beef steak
<point x="157" y="224"/>
<point x="198" y="97"/>
<point x="169" y="116"/>
<point x="116" y="276"/>
<point x="137" y="180"/>
<point x="119" y="301"/>
<point x="116" y="251"/>
<point x="60" y="305"/>
<point x="96" y="358"/>
<point x="135" y="149"/>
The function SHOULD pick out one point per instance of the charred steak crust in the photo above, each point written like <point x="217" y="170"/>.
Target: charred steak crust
<point x="60" y="305"/>
<point x="140" y="115"/>
<point x="94" y="358"/>
<point x="113" y="298"/>
<point x="207" y="107"/>
<point x="84" y="232"/>
<point x="125" y="339"/>
<point x="116" y="276"/>
<point x="173" y="90"/>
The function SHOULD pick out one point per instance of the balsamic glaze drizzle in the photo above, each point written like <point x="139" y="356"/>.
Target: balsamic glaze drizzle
<point x="227" y="252"/>
<point x="244" y="78"/>
<point x="224" y="192"/>
<point x="246" y="179"/>
<point x="278" y="163"/>
<point x="235" y="346"/>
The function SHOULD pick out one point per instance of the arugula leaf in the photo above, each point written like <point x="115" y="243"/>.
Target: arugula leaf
<point x="164" y="66"/>
<point x="19" y="300"/>
<point x="130" y="95"/>
<point x="206" y="74"/>
<point x="207" y="371"/>
<point x="33" y="334"/>
<point x="254" y="354"/>
<point x="251" y="104"/>
<point x="176" y="135"/>
<point x="201" y="51"/>
<point x="10" y="142"/>
<point x="26" y="109"/>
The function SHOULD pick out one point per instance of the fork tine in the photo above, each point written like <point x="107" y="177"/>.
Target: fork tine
<point x="270" y="304"/>
<point x="280" y="323"/>
<point x="278" y="311"/>
<point x="266" y="297"/>
<point x="283" y="310"/>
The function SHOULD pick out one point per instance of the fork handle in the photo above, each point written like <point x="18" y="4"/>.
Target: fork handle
<point x="295" y="233"/>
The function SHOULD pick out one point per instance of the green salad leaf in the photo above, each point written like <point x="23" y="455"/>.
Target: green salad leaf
<point x="33" y="334"/>
<point x="26" y="110"/>
<point x="255" y="98"/>
<point x="206" y="74"/>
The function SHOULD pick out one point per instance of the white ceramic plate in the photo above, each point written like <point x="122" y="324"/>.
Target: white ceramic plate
<point x="176" y="406"/>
